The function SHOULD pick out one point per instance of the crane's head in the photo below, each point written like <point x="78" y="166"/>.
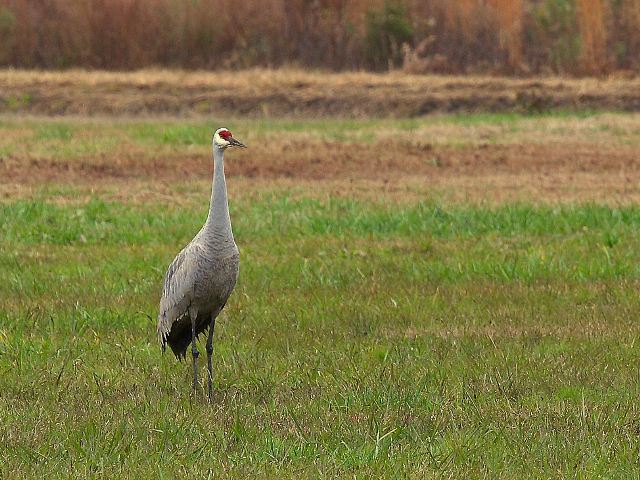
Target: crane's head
<point x="223" y="139"/>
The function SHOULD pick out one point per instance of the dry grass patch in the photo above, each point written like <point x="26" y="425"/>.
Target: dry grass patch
<point x="295" y="93"/>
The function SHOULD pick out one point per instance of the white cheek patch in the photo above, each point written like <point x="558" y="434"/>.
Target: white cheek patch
<point x="218" y="140"/>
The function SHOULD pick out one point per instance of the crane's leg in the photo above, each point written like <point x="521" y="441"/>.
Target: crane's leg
<point x="210" y="353"/>
<point x="194" y="350"/>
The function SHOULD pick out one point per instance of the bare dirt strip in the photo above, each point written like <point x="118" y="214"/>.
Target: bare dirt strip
<point x="315" y="161"/>
<point x="538" y="172"/>
<point x="293" y="93"/>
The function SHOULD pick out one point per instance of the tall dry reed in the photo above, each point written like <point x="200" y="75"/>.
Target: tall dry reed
<point x="510" y="14"/>
<point x="593" y="35"/>
<point x="445" y="35"/>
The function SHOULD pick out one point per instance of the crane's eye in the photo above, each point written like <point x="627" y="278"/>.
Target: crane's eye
<point x="226" y="134"/>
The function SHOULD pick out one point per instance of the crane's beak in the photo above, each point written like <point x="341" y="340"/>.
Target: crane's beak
<point x="236" y="143"/>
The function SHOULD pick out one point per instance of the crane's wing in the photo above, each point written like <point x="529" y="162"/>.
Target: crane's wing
<point x="177" y="290"/>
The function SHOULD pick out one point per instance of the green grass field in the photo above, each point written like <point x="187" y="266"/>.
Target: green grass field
<point x="367" y="338"/>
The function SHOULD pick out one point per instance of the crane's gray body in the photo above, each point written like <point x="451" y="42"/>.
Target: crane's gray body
<point x="202" y="276"/>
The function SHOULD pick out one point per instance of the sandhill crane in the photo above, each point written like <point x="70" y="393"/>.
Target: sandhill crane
<point x="203" y="275"/>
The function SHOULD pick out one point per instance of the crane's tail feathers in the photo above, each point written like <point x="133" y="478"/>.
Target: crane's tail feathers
<point x="179" y="336"/>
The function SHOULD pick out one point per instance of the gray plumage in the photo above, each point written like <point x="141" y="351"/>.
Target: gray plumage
<point x="198" y="282"/>
<point x="201" y="278"/>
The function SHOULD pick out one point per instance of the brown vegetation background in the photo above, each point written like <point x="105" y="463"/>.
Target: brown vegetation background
<point x="578" y="37"/>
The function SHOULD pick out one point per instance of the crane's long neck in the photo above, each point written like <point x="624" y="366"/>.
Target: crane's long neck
<point x="218" y="233"/>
